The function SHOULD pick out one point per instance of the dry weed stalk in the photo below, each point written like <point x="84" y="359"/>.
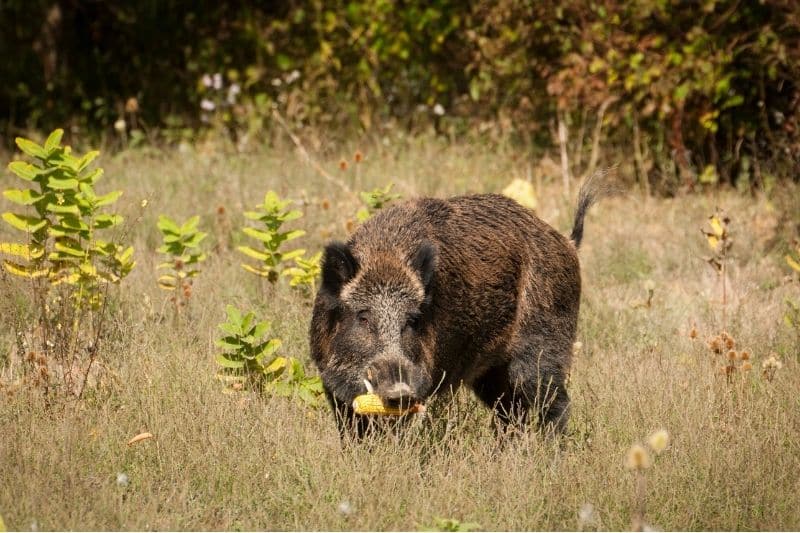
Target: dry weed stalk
<point x="720" y="242"/>
<point x="638" y="460"/>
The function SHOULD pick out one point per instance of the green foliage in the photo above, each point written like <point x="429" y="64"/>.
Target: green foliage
<point x="305" y="273"/>
<point x="244" y="350"/>
<point x="63" y="222"/>
<point x="248" y="360"/>
<point x="67" y="261"/>
<point x="181" y="245"/>
<point x="270" y="259"/>
<point x="374" y="200"/>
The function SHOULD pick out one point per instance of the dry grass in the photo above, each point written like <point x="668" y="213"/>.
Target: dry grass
<point x="221" y="461"/>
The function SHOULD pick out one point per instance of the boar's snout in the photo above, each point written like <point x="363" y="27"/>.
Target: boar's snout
<point x="397" y="380"/>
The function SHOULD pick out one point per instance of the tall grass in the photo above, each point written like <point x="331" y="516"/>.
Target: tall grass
<point x="236" y="461"/>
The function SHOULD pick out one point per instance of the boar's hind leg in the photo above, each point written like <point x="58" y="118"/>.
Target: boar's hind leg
<point x="510" y="409"/>
<point x="513" y="390"/>
<point x="540" y="377"/>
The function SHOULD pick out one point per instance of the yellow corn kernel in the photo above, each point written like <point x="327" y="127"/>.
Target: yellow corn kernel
<point x="371" y="404"/>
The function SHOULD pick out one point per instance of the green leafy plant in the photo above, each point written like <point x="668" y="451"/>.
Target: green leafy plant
<point x="62" y="254"/>
<point x="374" y="200"/>
<point x="62" y="242"/>
<point x="305" y="273"/>
<point x="181" y="245"/>
<point x="270" y="258"/>
<point x="288" y="377"/>
<point x="249" y="360"/>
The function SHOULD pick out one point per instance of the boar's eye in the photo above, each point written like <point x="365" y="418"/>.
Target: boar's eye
<point x="363" y="317"/>
<point x="412" y="321"/>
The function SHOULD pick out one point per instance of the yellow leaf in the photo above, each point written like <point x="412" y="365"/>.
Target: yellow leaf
<point x="167" y="282"/>
<point x="277" y="364"/>
<point x="523" y="192"/>
<point x="140" y="437"/>
<point x="792" y="263"/>
<point x="21" y="250"/>
<point x="25" y="272"/>
<point x="713" y="241"/>
<point x="716" y="225"/>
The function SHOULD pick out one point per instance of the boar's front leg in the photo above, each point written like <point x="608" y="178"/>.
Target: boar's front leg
<point x="351" y="426"/>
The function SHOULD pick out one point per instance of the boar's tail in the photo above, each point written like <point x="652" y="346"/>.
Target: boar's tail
<point x="593" y="188"/>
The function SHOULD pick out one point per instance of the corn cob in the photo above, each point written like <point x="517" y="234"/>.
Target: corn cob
<point x="371" y="404"/>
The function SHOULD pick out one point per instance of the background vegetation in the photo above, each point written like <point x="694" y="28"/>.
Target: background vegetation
<point x="702" y="90"/>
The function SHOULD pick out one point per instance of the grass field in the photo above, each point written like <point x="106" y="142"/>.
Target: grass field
<point x="240" y="461"/>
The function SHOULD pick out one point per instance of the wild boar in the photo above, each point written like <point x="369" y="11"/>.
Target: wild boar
<point x="432" y="294"/>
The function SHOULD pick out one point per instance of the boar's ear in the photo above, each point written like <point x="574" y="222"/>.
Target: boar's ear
<point x="338" y="267"/>
<point x="424" y="262"/>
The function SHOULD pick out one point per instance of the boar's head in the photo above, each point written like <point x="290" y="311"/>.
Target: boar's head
<point x="371" y="323"/>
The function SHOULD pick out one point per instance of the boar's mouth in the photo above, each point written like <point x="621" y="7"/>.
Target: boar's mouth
<point x="398" y="394"/>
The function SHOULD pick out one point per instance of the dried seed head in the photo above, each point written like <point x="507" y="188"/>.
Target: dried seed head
<point x="343" y="164"/>
<point x="221" y="210"/>
<point x="326" y="204"/>
<point x="744" y="355"/>
<point x="637" y="458"/>
<point x="746" y="366"/>
<point x="731" y="355"/>
<point x="658" y="441"/>
<point x="587" y="516"/>
<point x="576" y="347"/>
<point x="693" y="332"/>
<point x="728" y="340"/>
<point x="715" y="345"/>
<point x="358" y="157"/>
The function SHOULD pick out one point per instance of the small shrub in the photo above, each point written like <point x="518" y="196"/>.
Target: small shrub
<point x="65" y="258"/>
<point x="181" y="245"/>
<point x="304" y="275"/>
<point x="249" y="360"/>
<point x="270" y="258"/>
<point x="374" y="200"/>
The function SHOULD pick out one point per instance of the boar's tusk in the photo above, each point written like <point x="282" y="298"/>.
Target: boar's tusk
<point x="367" y="384"/>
